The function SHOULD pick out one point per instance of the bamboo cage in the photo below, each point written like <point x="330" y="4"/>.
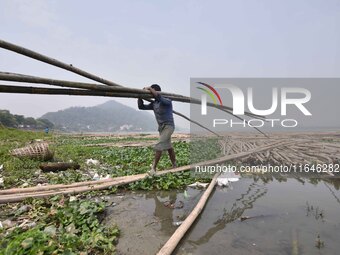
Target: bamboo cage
<point x="39" y="150"/>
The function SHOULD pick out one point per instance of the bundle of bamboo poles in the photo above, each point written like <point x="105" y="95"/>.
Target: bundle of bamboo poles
<point x="109" y="89"/>
<point x="310" y="149"/>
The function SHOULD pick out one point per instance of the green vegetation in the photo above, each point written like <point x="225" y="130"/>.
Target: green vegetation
<point x="168" y="181"/>
<point x="61" y="227"/>
<point x="58" y="226"/>
<point x="114" y="161"/>
<point x="9" y="120"/>
<point x="17" y="171"/>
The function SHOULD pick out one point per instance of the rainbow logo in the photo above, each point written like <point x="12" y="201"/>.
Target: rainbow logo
<point x="211" y="92"/>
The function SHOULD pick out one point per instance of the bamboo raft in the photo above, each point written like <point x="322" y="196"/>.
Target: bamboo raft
<point x="308" y="149"/>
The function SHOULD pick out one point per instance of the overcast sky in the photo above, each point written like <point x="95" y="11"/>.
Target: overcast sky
<point x="137" y="43"/>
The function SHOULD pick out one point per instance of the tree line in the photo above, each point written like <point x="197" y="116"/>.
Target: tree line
<point x="19" y="121"/>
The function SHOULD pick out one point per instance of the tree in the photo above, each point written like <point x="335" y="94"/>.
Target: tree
<point x="19" y="119"/>
<point x="7" y="119"/>
<point x="30" y="122"/>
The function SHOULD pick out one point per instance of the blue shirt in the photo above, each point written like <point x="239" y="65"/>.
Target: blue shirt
<point x="162" y="107"/>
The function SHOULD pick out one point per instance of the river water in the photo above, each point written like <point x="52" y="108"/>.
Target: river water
<point x="250" y="216"/>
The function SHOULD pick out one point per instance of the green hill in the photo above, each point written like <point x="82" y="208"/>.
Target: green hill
<point x="108" y="117"/>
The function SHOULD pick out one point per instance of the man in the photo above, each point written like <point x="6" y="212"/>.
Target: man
<point x="162" y="108"/>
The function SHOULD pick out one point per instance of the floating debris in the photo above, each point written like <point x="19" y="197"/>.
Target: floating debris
<point x="186" y="195"/>
<point x="224" y="179"/>
<point x="7" y="224"/>
<point x="24" y="185"/>
<point x="319" y="243"/>
<point x="23" y="209"/>
<point x="73" y="198"/>
<point x="177" y="223"/>
<point x="97" y="177"/>
<point x="173" y="205"/>
<point x="91" y="161"/>
<point x="243" y="218"/>
<point x="201" y="185"/>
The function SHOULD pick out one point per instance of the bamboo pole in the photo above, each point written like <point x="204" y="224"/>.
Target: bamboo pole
<point x="57" y="91"/>
<point x="81" y="92"/>
<point x="56" y="186"/>
<point x="37" y="56"/>
<point x="108" y="92"/>
<point x="40" y="57"/>
<point x="195" y="122"/>
<point x="7" y="76"/>
<point x="70" y="191"/>
<point x="172" y="243"/>
<point x="43" y="58"/>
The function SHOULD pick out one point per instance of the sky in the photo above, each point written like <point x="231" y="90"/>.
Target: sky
<point x="138" y="43"/>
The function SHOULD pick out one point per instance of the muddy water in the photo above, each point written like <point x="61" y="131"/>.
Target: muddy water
<point x="249" y="217"/>
<point x="148" y="219"/>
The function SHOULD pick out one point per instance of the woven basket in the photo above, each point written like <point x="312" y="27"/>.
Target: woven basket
<point x="34" y="151"/>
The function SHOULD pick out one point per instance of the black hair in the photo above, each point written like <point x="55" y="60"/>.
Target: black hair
<point x="156" y="87"/>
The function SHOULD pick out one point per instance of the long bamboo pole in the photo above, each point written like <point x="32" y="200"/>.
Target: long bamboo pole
<point x="108" y="91"/>
<point x="7" y="76"/>
<point x="56" y="91"/>
<point x="43" y="58"/>
<point x="172" y="243"/>
<point x="195" y="122"/>
<point x="57" y="186"/>
<point x="35" y="55"/>
<point x="80" y="92"/>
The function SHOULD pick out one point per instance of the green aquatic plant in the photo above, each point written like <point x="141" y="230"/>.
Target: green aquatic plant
<point x="62" y="227"/>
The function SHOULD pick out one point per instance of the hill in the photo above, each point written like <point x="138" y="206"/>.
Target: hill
<point x="108" y="117"/>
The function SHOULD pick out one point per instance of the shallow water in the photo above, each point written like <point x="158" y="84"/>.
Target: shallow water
<point x="248" y="217"/>
<point x="144" y="220"/>
<point x="284" y="218"/>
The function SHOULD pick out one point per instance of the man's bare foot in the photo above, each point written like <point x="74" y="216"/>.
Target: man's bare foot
<point x="152" y="171"/>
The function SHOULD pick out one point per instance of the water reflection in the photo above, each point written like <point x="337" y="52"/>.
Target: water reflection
<point x="285" y="214"/>
<point x="161" y="212"/>
<point x="332" y="192"/>
<point x="245" y="201"/>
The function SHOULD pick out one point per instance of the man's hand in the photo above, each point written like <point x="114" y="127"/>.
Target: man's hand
<point x="152" y="91"/>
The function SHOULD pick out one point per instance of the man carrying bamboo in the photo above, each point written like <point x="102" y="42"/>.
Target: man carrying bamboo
<point x="162" y="108"/>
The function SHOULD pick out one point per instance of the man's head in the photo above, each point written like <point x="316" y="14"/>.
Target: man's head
<point x="156" y="87"/>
